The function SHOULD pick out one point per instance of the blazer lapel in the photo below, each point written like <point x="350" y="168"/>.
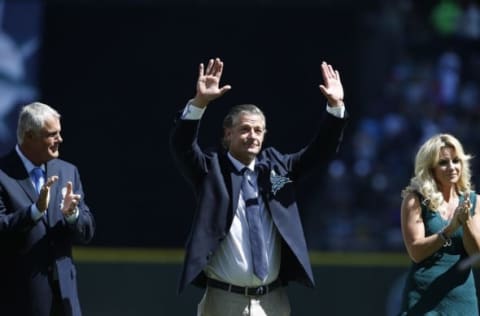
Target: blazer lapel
<point x="55" y="200"/>
<point x="27" y="186"/>
<point x="263" y="180"/>
<point x="233" y="181"/>
<point x="16" y="170"/>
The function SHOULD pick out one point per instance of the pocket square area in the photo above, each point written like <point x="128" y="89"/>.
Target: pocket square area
<point x="278" y="181"/>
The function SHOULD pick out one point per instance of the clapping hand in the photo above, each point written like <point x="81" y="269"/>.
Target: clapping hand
<point x="462" y="212"/>
<point x="70" y="201"/>
<point x="44" y="195"/>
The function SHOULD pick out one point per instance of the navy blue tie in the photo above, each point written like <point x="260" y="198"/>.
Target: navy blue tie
<point x="38" y="179"/>
<point x="257" y="238"/>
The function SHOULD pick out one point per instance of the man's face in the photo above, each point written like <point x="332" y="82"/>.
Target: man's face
<point x="245" y="138"/>
<point x="43" y="146"/>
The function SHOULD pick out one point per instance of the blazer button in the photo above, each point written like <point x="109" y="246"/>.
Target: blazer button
<point x="209" y="255"/>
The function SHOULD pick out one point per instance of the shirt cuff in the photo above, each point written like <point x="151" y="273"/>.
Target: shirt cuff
<point x="338" y="111"/>
<point x="35" y="213"/>
<point x="72" y="217"/>
<point x="192" y="112"/>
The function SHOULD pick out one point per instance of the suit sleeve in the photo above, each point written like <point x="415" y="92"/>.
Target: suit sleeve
<point x="185" y="149"/>
<point x="323" y="147"/>
<point x="84" y="227"/>
<point x="19" y="221"/>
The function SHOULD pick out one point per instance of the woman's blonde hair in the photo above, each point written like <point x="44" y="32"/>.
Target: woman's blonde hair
<point x="426" y="159"/>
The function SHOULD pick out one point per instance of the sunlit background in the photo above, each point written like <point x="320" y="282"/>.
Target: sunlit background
<point x="118" y="71"/>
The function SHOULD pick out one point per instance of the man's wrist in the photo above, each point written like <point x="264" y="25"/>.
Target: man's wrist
<point x="72" y="216"/>
<point x="338" y="111"/>
<point x="35" y="213"/>
<point x="335" y="103"/>
<point x="199" y="102"/>
<point x="192" y="112"/>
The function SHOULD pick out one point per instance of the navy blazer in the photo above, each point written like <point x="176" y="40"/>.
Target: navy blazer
<point x="31" y="251"/>
<point x="216" y="184"/>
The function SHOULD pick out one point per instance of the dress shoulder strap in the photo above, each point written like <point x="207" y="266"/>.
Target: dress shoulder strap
<point x="473" y="200"/>
<point x="423" y="203"/>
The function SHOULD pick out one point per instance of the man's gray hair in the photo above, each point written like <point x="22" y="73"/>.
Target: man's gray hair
<point x="32" y="118"/>
<point x="231" y="118"/>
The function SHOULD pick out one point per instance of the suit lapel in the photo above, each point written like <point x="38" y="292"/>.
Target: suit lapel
<point x="16" y="170"/>
<point x="27" y="186"/>
<point x="263" y="177"/>
<point x="52" y="211"/>
<point x="233" y="181"/>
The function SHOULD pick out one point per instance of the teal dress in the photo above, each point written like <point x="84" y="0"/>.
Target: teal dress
<point x="438" y="285"/>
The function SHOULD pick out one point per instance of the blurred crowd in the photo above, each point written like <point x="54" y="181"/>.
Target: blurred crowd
<point x="420" y="76"/>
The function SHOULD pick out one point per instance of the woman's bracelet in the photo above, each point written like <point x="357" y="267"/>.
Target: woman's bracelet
<point x="447" y="241"/>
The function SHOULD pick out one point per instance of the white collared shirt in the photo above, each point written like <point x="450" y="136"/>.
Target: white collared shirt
<point x="232" y="263"/>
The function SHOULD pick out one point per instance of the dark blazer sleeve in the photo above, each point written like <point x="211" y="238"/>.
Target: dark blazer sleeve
<point x="84" y="227"/>
<point x="185" y="150"/>
<point x="16" y="196"/>
<point x="321" y="149"/>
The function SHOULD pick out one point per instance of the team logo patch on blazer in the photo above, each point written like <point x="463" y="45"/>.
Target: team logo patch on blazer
<point x="277" y="181"/>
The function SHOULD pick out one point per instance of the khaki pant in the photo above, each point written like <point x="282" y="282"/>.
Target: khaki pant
<point x="217" y="302"/>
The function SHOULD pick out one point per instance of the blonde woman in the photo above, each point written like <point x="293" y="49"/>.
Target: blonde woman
<point x="441" y="231"/>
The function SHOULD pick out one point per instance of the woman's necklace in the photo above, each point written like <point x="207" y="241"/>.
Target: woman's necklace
<point x="447" y="209"/>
